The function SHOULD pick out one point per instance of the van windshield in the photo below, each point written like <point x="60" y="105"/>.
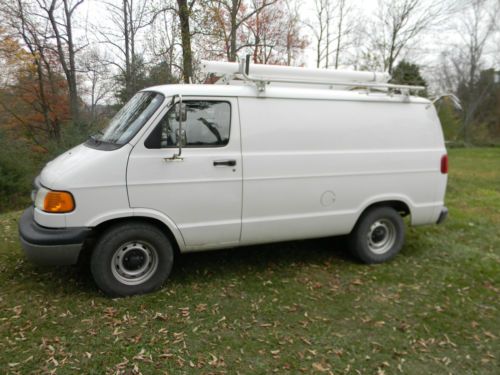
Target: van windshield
<point x="133" y="115"/>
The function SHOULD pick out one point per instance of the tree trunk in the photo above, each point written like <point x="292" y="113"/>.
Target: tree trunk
<point x="256" y="57"/>
<point x="133" y="61"/>
<point x="340" y="31"/>
<point x="187" y="56"/>
<point x="234" y="25"/>
<point x="327" y="38"/>
<point x="126" y="35"/>
<point x="44" y="104"/>
<point x="288" y="49"/>
<point x="69" y="71"/>
<point x="390" y="61"/>
<point x="73" y="91"/>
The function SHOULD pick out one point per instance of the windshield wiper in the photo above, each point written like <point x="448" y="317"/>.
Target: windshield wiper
<point x="94" y="137"/>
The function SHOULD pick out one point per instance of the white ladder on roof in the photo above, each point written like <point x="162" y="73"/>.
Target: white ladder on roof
<point x="261" y="75"/>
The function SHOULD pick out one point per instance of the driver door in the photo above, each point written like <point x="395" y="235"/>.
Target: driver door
<point x="202" y="192"/>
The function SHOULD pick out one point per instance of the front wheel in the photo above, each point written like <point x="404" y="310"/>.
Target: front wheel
<point x="131" y="258"/>
<point x="378" y="236"/>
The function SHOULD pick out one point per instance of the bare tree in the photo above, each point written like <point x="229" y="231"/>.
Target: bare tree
<point x="462" y="65"/>
<point x="321" y="29"/>
<point x="273" y="34"/>
<point x="62" y="27"/>
<point x="295" y="44"/>
<point x="184" y="13"/>
<point x="345" y="28"/>
<point x="399" y="22"/>
<point x="164" y="41"/>
<point x="128" y="19"/>
<point x="333" y="27"/>
<point x="98" y="77"/>
<point x="230" y="16"/>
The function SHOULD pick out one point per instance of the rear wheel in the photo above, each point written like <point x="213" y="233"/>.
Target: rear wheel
<point x="131" y="258"/>
<point x="378" y="236"/>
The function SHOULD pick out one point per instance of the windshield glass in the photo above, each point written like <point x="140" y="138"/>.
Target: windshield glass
<point x="127" y="122"/>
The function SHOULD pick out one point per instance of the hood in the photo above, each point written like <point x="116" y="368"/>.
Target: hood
<point x="83" y="166"/>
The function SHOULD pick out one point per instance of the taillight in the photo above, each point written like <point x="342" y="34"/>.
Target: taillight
<point x="444" y="164"/>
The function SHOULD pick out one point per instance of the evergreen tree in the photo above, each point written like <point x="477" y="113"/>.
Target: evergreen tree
<point x="406" y="73"/>
<point x="145" y="76"/>
<point x="135" y="82"/>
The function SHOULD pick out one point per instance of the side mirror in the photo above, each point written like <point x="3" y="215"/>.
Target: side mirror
<point x="180" y="116"/>
<point x="180" y="112"/>
<point x="181" y="136"/>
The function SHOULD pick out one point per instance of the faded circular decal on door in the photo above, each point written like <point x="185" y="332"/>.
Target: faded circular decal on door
<point x="328" y="198"/>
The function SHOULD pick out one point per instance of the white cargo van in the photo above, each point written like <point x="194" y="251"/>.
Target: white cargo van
<point x="266" y="155"/>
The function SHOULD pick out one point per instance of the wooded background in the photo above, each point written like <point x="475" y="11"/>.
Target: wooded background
<point x="67" y="65"/>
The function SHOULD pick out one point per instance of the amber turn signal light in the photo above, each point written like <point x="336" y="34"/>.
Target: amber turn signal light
<point x="58" y="202"/>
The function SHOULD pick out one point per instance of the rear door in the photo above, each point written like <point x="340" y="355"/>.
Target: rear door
<point x="202" y="193"/>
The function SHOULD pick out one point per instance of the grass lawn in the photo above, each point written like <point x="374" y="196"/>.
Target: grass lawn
<point x="285" y="308"/>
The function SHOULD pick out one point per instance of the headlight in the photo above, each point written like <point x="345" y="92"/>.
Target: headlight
<point x="54" y="201"/>
<point x="33" y="195"/>
<point x="36" y="187"/>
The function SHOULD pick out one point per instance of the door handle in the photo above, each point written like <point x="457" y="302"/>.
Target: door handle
<point x="225" y="163"/>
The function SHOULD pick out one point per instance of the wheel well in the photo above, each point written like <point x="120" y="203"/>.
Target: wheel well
<point x="400" y="206"/>
<point x="96" y="232"/>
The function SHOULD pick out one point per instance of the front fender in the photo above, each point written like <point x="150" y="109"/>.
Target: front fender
<point x="141" y="212"/>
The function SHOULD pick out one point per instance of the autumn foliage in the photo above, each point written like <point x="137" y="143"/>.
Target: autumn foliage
<point x="268" y="30"/>
<point x="33" y="95"/>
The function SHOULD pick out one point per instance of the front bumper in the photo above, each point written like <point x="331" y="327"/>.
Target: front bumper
<point x="50" y="246"/>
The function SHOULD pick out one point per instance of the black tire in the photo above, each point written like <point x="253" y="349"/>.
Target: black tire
<point x="128" y="248"/>
<point x="378" y="235"/>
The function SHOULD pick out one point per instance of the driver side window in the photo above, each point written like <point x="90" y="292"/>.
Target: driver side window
<point x="207" y="125"/>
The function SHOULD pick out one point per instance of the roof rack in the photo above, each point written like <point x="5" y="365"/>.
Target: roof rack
<point x="263" y="75"/>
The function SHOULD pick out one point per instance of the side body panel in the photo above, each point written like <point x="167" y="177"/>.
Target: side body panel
<point x="312" y="166"/>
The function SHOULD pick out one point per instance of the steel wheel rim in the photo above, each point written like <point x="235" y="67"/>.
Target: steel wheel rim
<point x="381" y="236"/>
<point x="134" y="262"/>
